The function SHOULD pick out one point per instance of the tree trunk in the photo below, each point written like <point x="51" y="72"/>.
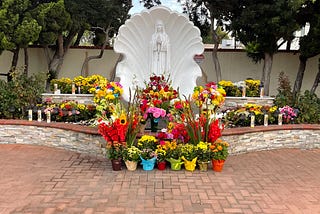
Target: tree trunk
<point x="216" y="42"/>
<point x="216" y="63"/>
<point x="99" y="56"/>
<point x="79" y="36"/>
<point x="113" y="73"/>
<point x="14" y="63"/>
<point x="300" y="74"/>
<point x="266" y="72"/>
<point x="26" y="61"/>
<point x="316" y="81"/>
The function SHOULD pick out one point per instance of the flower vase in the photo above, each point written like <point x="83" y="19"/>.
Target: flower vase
<point x="175" y="163"/>
<point x="154" y="124"/>
<point x="162" y="165"/>
<point x="148" y="164"/>
<point x="190" y="165"/>
<point x="131" y="165"/>
<point x="116" y="164"/>
<point x="203" y="166"/>
<point x="217" y="165"/>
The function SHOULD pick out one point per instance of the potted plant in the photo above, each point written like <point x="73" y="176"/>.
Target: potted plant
<point x="114" y="153"/>
<point x="161" y="156"/>
<point x="147" y="144"/>
<point x="189" y="156"/>
<point x="219" y="153"/>
<point x="131" y="156"/>
<point x="174" y="154"/>
<point x="203" y="154"/>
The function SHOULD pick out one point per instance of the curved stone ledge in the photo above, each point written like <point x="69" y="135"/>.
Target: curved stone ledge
<point x="87" y="139"/>
<point x="61" y="135"/>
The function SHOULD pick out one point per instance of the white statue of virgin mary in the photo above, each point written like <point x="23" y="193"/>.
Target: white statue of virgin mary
<point x="162" y="42"/>
<point x="160" y="50"/>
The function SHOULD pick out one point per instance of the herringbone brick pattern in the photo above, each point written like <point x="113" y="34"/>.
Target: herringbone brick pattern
<point x="45" y="180"/>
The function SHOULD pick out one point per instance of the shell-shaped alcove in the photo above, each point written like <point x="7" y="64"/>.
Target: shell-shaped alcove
<point x="136" y="42"/>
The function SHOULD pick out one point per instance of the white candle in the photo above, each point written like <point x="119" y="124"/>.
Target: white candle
<point x="39" y="116"/>
<point x="48" y="116"/>
<point x="30" y="115"/>
<point x="280" y="119"/>
<point x="252" y="121"/>
<point x="265" y="120"/>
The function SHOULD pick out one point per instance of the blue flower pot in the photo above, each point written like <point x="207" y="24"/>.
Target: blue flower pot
<point x="148" y="164"/>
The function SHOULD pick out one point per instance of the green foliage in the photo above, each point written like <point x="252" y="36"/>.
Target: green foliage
<point x="54" y="20"/>
<point x="308" y="106"/>
<point x="260" y="25"/>
<point x="310" y="43"/>
<point x="284" y="96"/>
<point x="20" y="94"/>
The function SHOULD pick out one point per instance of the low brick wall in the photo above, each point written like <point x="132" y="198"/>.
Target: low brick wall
<point x="61" y="135"/>
<point x="242" y="140"/>
<point x="87" y="140"/>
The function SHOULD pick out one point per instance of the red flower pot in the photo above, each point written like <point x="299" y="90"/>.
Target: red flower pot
<point x="217" y="165"/>
<point x="162" y="165"/>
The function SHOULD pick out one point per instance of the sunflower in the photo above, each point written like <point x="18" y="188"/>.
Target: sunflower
<point x="123" y="119"/>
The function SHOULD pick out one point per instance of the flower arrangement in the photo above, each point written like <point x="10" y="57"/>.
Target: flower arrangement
<point x="289" y="114"/>
<point x="115" y="149"/>
<point x="252" y="88"/>
<point x="173" y="149"/>
<point x="122" y="126"/>
<point x="84" y="83"/>
<point x="203" y="126"/>
<point x="211" y="96"/>
<point x="203" y="151"/>
<point x="188" y="152"/>
<point x="158" y="92"/>
<point x="219" y="150"/>
<point x="131" y="153"/>
<point x="106" y="96"/>
<point x="68" y="110"/>
<point x="161" y="152"/>
<point x="230" y="88"/>
<point x="64" y="84"/>
<point x="147" y="142"/>
<point x="155" y="112"/>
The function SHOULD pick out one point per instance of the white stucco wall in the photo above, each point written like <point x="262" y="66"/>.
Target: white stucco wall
<point x="235" y="65"/>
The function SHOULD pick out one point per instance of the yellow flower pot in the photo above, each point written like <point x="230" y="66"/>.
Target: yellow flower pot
<point x="190" y="165"/>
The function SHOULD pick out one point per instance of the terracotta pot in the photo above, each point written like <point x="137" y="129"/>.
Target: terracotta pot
<point x="203" y="166"/>
<point x="116" y="164"/>
<point x="217" y="165"/>
<point x="131" y="165"/>
<point x="161" y="165"/>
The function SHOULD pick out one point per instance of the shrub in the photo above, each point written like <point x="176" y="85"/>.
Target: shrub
<point x="284" y="96"/>
<point x="308" y="106"/>
<point x="20" y="94"/>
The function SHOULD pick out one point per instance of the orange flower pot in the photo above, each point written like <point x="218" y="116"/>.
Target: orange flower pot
<point x="217" y="165"/>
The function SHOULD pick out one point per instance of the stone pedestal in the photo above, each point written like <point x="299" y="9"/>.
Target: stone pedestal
<point x="58" y="98"/>
<point x="231" y="102"/>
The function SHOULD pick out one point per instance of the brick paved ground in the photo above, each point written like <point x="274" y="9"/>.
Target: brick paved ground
<point x="36" y="179"/>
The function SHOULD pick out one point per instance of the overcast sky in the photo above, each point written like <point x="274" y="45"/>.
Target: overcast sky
<point x="172" y="4"/>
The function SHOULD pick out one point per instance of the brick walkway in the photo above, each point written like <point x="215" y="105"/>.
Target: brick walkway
<point x="36" y="179"/>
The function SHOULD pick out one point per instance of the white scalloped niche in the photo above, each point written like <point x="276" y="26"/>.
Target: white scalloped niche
<point x="133" y="42"/>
